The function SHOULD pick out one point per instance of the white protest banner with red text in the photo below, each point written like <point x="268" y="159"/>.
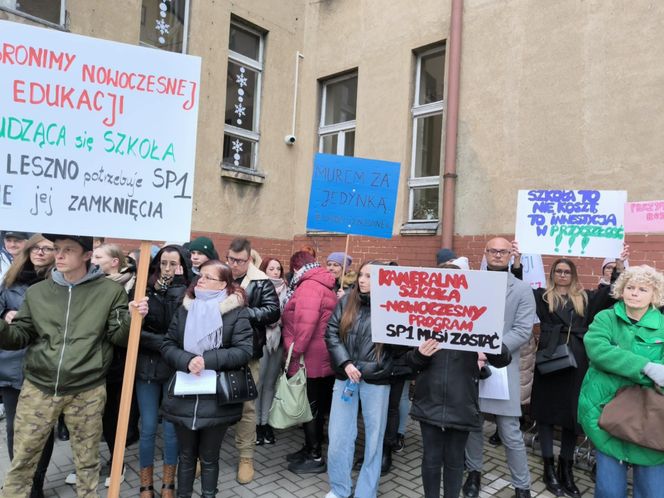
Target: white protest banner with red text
<point x="96" y="137"/>
<point x="462" y="309"/>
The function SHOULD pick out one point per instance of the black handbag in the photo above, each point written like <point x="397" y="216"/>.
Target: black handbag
<point x="236" y="386"/>
<point x="554" y="359"/>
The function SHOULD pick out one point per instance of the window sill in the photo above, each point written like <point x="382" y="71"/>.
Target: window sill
<point x="420" y="228"/>
<point x="242" y="175"/>
<point x="34" y="19"/>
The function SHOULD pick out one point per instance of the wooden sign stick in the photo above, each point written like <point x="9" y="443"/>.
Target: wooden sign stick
<point x="129" y="373"/>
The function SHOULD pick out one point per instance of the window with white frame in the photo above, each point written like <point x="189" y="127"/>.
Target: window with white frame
<point x="427" y="114"/>
<point x="243" y="88"/>
<point x="337" y="118"/>
<point x="164" y="24"/>
<point x="52" y="11"/>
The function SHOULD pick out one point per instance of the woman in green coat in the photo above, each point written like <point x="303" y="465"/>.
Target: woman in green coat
<point x="625" y="346"/>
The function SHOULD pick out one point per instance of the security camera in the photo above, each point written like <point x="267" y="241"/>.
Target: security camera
<point x="290" y="139"/>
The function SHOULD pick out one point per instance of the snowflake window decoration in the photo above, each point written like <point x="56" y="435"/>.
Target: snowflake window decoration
<point x="162" y="27"/>
<point x="241" y="80"/>
<point x="237" y="146"/>
<point x="240" y="110"/>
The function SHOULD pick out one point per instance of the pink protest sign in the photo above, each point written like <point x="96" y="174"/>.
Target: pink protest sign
<point x="644" y="217"/>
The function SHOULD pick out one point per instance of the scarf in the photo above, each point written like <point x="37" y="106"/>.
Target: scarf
<point x="296" y="279"/>
<point x="204" y="327"/>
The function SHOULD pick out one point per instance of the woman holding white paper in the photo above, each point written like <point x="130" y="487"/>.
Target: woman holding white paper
<point x="210" y="331"/>
<point x="446" y="404"/>
<point x="565" y="310"/>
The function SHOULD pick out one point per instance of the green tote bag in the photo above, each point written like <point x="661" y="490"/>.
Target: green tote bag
<point x="290" y="405"/>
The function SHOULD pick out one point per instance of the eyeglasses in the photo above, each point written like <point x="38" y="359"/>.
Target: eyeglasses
<point x="42" y="249"/>
<point x="236" y="261"/>
<point x="204" y="276"/>
<point x="498" y="252"/>
<point x="563" y="273"/>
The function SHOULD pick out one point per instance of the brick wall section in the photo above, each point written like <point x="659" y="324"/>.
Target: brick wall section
<point x="421" y="251"/>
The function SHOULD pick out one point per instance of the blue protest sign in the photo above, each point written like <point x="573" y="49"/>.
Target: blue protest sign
<point x="353" y="195"/>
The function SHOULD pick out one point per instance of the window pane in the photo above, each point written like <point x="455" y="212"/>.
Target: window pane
<point x="49" y="10"/>
<point x="241" y="84"/>
<point x="425" y="203"/>
<point x="238" y="151"/>
<point x="432" y="71"/>
<point x="340" y="101"/>
<point x="162" y="24"/>
<point x="349" y="144"/>
<point x="427" y="148"/>
<point x="244" y="42"/>
<point x="330" y="144"/>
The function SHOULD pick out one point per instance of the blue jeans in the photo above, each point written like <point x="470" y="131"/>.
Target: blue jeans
<point x="148" y="395"/>
<point x="612" y="478"/>
<point x="343" y="432"/>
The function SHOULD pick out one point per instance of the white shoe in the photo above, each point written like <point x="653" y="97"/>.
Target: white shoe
<point x="107" y="482"/>
<point x="71" y="479"/>
<point x="331" y="495"/>
<point x="2" y="411"/>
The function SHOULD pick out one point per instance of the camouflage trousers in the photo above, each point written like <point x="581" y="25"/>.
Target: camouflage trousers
<point x="36" y="414"/>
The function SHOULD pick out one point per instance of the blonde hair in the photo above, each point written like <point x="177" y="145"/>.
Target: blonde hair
<point x="115" y="251"/>
<point x="643" y="274"/>
<point x="555" y="299"/>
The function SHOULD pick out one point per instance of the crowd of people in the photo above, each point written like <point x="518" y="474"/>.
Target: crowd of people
<point x="65" y="304"/>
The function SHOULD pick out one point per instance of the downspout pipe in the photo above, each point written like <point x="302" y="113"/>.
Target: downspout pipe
<point x="452" y="122"/>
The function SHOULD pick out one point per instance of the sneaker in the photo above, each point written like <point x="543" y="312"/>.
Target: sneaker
<point x="298" y="456"/>
<point x="71" y="479"/>
<point x="107" y="482"/>
<point x="269" y="435"/>
<point x="2" y="411"/>
<point x="400" y="444"/>
<point x="310" y="465"/>
<point x="331" y="495"/>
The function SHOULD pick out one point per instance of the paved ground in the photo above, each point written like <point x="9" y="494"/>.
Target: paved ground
<point x="274" y="480"/>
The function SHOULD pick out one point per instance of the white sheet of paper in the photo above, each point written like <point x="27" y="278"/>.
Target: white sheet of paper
<point x="495" y="387"/>
<point x="188" y="383"/>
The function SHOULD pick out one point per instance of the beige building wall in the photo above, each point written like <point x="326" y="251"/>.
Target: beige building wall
<point x="553" y="95"/>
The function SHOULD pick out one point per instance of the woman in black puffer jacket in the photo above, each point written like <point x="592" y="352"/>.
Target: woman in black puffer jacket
<point x="211" y="331"/>
<point x="168" y="280"/>
<point x="446" y="403"/>
<point x="33" y="264"/>
<point x="369" y="366"/>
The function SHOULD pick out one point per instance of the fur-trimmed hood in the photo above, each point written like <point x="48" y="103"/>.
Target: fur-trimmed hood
<point x="253" y="273"/>
<point x="230" y="303"/>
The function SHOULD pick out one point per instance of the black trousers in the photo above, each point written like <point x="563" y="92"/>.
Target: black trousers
<point x="203" y="445"/>
<point x="567" y="441"/>
<point x="109" y="419"/>
<point x="319" y="393"/>
<point x="443" y="448"/>
<point x="392" y="425"/>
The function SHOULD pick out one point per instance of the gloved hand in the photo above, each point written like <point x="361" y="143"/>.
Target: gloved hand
<point x="656" y="372"/>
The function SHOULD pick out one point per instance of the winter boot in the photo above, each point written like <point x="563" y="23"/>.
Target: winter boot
<point x="550" y="480"/>
<point x="566" y="478"/>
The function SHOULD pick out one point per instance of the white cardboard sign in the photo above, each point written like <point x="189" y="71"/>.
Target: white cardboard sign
<point x="462" y="309"/>
<point x="571" y="222"/>
<point x="96" y="137"/>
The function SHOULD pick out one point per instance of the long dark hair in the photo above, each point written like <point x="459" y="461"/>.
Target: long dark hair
<point x="23" y="262"/>
<point x="353" y="303"/>
<point x="155" y="265"/>
<point x="224" y="274"/>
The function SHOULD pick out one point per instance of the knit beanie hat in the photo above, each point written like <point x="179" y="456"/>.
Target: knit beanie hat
<point x="204" y="245"/>
<point x="444" y="255"/>
<point x="338" y="258"/>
